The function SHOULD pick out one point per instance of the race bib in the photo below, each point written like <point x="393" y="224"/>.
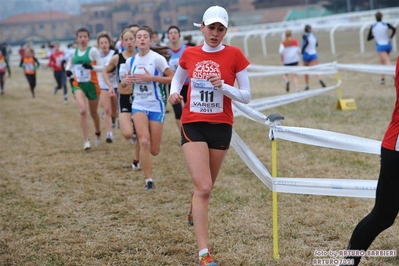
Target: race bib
<point x="58" y="61"/>
<point x="29" y="67"/>
<point x="82" y="74"/>
<point x="205" y="98"/>
<point x="143" y="90"/>
<point x="174" y="63"/>
<point x="122" y="71"/>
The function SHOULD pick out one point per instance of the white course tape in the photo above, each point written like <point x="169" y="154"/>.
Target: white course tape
<point x="373" y="69"/>
<point x="326" y="139"/>
<point x="322" y="138"/>
<point x="249" y="112"/>
<point x="309" y="186"/>
<point x="322" y="69"/>
<point x="325" y="186"/>
<point x="251" y="160"/>
<point x="275" y="101"/>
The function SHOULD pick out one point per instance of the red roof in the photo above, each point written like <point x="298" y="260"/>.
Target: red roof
<point x="35" y="17"/>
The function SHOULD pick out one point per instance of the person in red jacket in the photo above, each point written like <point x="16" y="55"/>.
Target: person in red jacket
<point x="386" y="206"/>
<point x="57" y="61"/>
<point x="21" y="51"/>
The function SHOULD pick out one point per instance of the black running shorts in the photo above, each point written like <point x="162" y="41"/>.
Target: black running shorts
<point x="125" y="103"/>
<point x="217" y="136"/>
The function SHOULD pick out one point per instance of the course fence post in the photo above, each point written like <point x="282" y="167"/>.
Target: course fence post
<point x="272" y="120"/>
<point x="338" y="78"/>
<point x="274" y="195"/>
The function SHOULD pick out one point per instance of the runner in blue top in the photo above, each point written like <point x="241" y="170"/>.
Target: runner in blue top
<point x="309" y="53"/>
<point x="176" y="50"/>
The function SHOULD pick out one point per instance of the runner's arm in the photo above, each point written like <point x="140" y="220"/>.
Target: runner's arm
<point x="178" y="80"/>
<point x="109" y="69"/>
<point x="243" y="92"/>
<point x="70" y="63"/>
<point x="94" y="55"/>
<point x="370" y="35"/>
<point x="392" y="28"/>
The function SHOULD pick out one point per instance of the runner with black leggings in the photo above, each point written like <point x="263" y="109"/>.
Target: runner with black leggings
<point x="386" y="206"/>
<point x="30" y="64"/>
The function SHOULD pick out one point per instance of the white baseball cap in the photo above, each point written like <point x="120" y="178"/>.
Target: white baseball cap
<point x="214" y="14"/>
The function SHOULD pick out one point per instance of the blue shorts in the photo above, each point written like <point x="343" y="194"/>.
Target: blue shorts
<point x="152" y="116"/>
<point x="383" y="48"/>
<point x="308" y="57"/>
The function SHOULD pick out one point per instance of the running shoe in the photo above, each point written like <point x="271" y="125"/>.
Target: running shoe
<point x="115" y="124"/>
<point x="66" y="101"/>
<point x="110" y="137"/>
<point x="86" y="144"/>
<point x="149" y="185"/>
<point x="382" y="81"/>
<point x="287" y="86"/>
<point x="322" y="84"/>
<point x="135" y="165"/>
<point x="190" y="218"/>
<point x="206" y="260"/>
<point x="97" y="141"/>
<point x="306" y="88"/>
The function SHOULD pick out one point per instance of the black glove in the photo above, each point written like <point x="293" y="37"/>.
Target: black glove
<point x="87" y="66"/>
<point x="68" y="73"/>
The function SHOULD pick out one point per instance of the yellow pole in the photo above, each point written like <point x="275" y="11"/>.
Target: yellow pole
<point x="338" y="78"/>
<point x="274" y="194"/>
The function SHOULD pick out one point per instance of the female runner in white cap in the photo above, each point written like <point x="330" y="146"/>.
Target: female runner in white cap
<point x="207" y="117"/>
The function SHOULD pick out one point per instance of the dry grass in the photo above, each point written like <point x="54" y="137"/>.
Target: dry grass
<point x="63" y="206"/>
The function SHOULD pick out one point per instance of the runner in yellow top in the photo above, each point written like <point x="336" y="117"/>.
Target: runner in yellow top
<point x="86" y="62"/>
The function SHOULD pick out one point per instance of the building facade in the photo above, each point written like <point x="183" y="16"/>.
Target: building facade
<point x="112" y="17"/>
<point x="37" y="27"/>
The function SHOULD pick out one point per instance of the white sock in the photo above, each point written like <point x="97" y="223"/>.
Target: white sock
<point x="203" y="252"/>
<point x="148" y="180"/>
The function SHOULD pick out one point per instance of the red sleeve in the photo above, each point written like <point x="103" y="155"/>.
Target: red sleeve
<point x="241" y="61"/>
<point x="51" y="62"/>
<point x="391" y="138"/>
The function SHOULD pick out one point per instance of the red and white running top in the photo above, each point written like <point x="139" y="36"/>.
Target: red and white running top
<point x="391" y="138"/>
